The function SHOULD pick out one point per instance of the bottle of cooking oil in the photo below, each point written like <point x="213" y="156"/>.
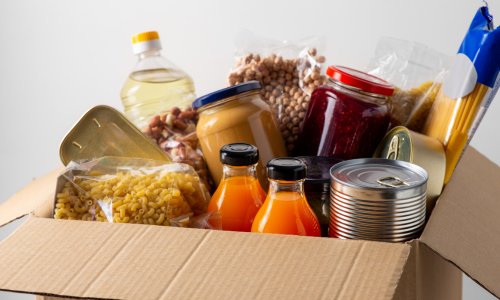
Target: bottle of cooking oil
<point x="152" y="80"/>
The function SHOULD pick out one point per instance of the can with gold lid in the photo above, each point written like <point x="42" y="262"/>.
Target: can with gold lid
<point x="405" y="145"/>
<point x="104" y="131"/>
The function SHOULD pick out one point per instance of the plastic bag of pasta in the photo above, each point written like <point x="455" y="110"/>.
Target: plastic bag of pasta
<point x="417" y="72"/>
<point x="130" y="190"/>
<point x="468" y="90"/>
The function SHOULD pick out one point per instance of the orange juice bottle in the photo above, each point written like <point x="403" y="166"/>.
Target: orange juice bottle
<point x="239" y="195"/>
<point x="286" y="210"/>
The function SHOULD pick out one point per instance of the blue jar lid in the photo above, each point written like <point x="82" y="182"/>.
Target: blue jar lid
<point x="226" y="93"/>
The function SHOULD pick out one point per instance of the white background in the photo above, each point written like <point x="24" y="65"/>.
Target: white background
<point x="60" y="58"/>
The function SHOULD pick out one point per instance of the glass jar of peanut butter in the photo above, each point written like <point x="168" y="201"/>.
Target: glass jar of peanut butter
<point x="237" y="114"/>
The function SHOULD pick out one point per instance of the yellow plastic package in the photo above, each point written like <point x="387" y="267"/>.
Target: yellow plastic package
<point x="417" y="72"/>
<point x="468" y="90"/>
<point x="131" y="190"/>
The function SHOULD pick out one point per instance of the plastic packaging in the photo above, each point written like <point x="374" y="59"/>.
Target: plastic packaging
<point x="209" y="220"/>
<point x="288" y="72"/>
<point x="468" y="90"/>
<point x="239" y="195"/>
<point x="417" y="72"/>
<point x="130" y="190"/>
<point x="173" y="129"/>
<point x="151" y="79"/>
<point x="347" y="118"/>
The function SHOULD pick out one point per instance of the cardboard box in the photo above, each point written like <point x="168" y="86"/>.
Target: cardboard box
<point x="58" y="258"/>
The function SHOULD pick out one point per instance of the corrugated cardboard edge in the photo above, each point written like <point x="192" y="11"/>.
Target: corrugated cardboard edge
<point x="42" y="296"/>
<point x="427" y="276"/>
<point x="138" y="228"/>
<point x="472" y="161"/>
<point x="28" y="199"/>
<point x="407" y="284"/>
<point x="402" y="270"/>
<point x="38" y="297"/>
<point x="437" y="278"/>
<point x="463" y="271"/>
<point x="56" y="297"/>
<point x="219" y="236"/>
<point x="404" y="257"/>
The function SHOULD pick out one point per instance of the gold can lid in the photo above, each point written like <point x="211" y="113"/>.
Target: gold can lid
<point x="103" y="131"/>
<point x="397" y="144"/>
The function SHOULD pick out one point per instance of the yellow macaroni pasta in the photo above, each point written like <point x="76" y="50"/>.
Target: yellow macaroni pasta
<point x="160" y="198"/>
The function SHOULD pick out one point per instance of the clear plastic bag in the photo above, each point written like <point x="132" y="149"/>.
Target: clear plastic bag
<point x="288" y="72"/>
<point x="209" y="220"/>
<point x="468" y="90"/>
<point x="131" y="190"/>
<point x="417" y="72"/>
<point x="173" y="129"/>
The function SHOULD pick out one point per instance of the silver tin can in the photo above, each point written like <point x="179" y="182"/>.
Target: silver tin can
<point x="377" y="199"/>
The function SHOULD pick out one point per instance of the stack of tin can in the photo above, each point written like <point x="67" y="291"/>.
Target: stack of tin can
<point x="377" y="199"/>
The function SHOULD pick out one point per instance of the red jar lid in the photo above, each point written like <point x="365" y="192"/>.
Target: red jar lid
<point x="360" y="80"/>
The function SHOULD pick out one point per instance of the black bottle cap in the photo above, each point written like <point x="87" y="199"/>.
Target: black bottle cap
<point x="239" y="154"/>
<point x="286" y="168"/>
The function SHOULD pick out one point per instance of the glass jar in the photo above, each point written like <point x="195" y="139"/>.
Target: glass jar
<point x="238" y="115"/>
<point x="346" y="118"/>
<point x="239" y="195"/>
<point x="286" y="210"/>
<point x="317" y="187"/>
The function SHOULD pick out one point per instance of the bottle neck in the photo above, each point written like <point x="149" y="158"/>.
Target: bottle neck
<point x="278" y="186"/>
<point x="244" y="171"/>
<point x="154" y="68"/>
<point x="149" y="54"/>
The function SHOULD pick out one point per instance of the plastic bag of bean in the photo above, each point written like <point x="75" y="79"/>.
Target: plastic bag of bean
<point x="132" y="190"/>
<point x="173" y="129"/>
<point x="288" y="72"/>
<point x="417" y="72"/>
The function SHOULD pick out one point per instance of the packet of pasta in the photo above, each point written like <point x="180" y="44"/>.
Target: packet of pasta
<point x="417" y="72"/>
<point x="468" y="90"/>
<point x="130" y="190"/>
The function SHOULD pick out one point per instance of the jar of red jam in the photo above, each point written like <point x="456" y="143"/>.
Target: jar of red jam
<point x="347" y="118"/>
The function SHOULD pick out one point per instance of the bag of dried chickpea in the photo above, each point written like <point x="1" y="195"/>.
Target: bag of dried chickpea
<point x="417" y="72"/>
<point x="131" y="190"/>
<point x="288" y="72"/>
<point x="173" y="129"/>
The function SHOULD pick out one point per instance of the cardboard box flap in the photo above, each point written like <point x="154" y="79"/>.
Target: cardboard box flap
<point x="128" y="261"/>
<point x="464" y="227"/>
<point x="29" y="198"/>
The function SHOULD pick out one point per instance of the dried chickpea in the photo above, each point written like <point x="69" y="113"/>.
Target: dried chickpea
<point x="283" y="79"/>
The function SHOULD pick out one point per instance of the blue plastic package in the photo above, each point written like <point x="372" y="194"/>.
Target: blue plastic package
<point x="468" y="90"/>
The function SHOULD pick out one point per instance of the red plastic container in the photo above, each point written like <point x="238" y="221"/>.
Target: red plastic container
<point x="347" y="118"/>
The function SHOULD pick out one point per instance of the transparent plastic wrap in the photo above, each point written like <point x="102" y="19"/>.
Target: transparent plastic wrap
<point x="468" y="90"/>
<point x="288" y="72"/>
<point x="173" y="129"/>
<point x="131" y="190"/>
<point x="417" y="72"/>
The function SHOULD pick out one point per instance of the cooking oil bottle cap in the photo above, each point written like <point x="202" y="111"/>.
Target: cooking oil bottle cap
<point x="146" y="41"/>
